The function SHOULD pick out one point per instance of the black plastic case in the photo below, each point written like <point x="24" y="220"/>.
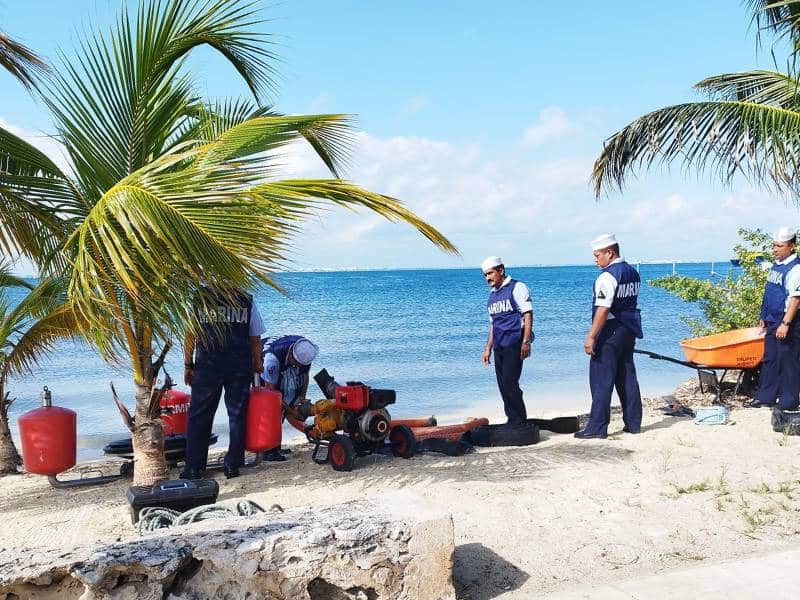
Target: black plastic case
<point x="177" y="494"/>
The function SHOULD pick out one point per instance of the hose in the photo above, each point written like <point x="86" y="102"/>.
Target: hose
<point x="156" y="517"/>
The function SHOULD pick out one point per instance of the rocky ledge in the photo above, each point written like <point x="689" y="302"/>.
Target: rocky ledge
<point x="390" y="547"/>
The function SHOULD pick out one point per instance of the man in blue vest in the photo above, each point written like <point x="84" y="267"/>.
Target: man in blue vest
<point x="510" y="334"/>
<point x="779" y="383"/>
<point x="287" y="362"/>
<point x="224" y="354"/>
<point x="616" y="324"/>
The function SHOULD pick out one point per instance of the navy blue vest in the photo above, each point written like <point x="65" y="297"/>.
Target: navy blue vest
<point x="224" y="345"/>
<point x="775" y="293"/>
<point x="624" y="305"/>
<point x="280" y="346"/>
<point x="506" y="318"/>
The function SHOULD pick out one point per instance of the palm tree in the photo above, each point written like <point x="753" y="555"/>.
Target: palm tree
<point x="168" y="190"/>
<point x="20" y="61"/>
<point x="27" y="332"/>
<point x="750" y="124"/>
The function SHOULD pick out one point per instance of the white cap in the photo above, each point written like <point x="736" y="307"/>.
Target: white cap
<point x="304" y="351"/>
<point x="605" y="240"/>
<point x="784" y="234"/>
<point x="490" y="262"/>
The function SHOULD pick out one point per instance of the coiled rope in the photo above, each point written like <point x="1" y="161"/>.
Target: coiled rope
<point x="155" y="517"/>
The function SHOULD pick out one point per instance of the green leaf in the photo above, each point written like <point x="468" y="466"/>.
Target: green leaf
<point x="721" y="138"/>
<point x="761" y="87"/>
<point x="20" y="61"/>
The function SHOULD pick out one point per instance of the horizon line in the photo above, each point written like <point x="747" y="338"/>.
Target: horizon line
<point x="510" y="266"/>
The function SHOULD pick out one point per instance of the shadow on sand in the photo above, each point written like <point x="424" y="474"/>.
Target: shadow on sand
<point x="481" y="574"/>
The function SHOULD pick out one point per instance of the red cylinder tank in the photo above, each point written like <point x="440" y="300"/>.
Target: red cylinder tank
<point x="263" y="420"/>
<point x="175" y="411"/>
<point x="49" y="439"/>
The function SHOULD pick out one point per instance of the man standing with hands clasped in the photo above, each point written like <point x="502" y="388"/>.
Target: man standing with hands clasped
<point x="616" y="323"/>
<point x="510" y="334"/>
<point x="780" y="370"/>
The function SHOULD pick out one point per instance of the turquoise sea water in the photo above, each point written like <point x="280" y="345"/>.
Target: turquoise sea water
<point x="420" y="332"/>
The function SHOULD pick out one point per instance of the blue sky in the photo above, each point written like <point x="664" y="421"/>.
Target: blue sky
<point x="484" y="117"/>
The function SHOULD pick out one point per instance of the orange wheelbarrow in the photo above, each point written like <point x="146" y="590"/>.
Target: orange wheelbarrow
<point x="741" y="349"/>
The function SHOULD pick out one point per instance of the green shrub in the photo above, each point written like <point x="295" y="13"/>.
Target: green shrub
<point x="730" y="301"/>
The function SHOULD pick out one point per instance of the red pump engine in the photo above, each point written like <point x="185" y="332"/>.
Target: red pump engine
<point x="360" y="413"/>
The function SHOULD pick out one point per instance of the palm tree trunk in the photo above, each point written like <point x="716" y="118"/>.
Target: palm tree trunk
<point x="9" y="457"/>
<point x="150" y="465"/>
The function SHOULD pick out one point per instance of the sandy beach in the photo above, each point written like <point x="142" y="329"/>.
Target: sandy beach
<point x="529" y="521"/>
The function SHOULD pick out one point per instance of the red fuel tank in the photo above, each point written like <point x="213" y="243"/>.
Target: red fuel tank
<point x="175" y="411"/>
<point x="263" y="420"/>
<point x="49" y="439"/>
<point x="353" y="396"/>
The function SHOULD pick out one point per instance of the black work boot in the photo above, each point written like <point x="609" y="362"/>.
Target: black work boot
<point x="188" y="473"/>
<point x="274" y="455"/>
<point x="231" y="472"/>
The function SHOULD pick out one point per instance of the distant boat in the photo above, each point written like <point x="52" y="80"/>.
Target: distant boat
<point x="738" y="263"/>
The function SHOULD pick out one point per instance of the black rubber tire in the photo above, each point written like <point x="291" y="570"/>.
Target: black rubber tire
<point x="444" y="446"/>
<point x="341" y="453"/>
<point x="524" y="434"/>
<point x="402" y="441"/>
<point x="557" y="425"/>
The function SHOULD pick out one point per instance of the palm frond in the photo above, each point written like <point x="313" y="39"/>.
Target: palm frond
<point x="38" y="340"/>
<point x="330" y="135"/>
<point x="42" y="299"/>
<point x="305" y="192"/>
<point x="20" y="61"/>
<point x="36" y="198"/>
<point x="8" y="279"/>
<point x="778" y="17"/>
<point x="719" y="138"/>
<point x="205" y="122"/>
<point x="119" y="101"/>
<point x="761" y="87"/>
<point x="157" y="235"/>
<point x="29" y="329"/>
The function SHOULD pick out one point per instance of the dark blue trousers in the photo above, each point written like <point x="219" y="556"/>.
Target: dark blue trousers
<point x="206" y="391"/>
<point x="612" y="366"/>
<point x="780" y="369"/>
<point x="508" y="368"/>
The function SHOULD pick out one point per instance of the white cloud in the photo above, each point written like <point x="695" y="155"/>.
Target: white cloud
<point x="458" y="189"/>
<point x="534" y="210"/>
<point x="553" y="125"/>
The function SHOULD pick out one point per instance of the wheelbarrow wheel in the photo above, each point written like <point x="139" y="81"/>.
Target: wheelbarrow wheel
<point x="402" y="441"/>
<point x="341" y="453"/>
<point x="749" y="383"/>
